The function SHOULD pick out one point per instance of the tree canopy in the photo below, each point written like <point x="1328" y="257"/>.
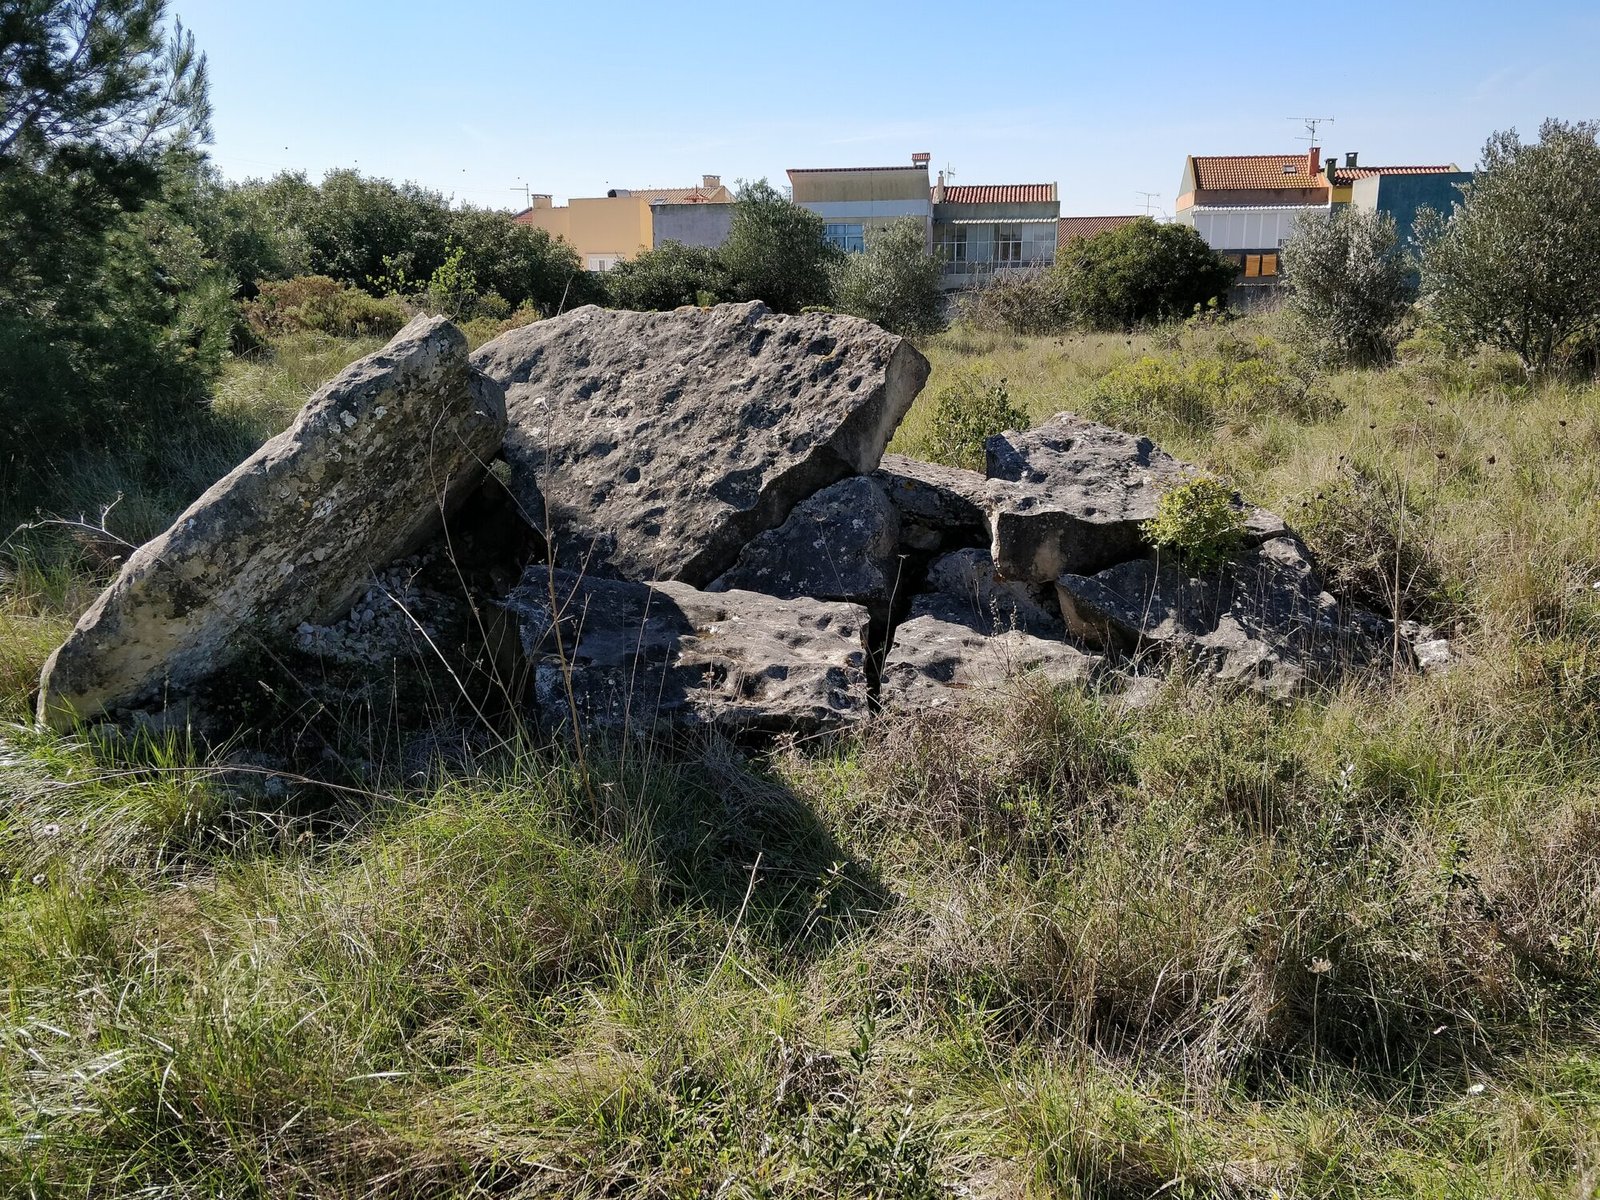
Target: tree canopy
<point x="1141" y="272"/>
<point x="776" y="251"/>
<point x="1349" y="284"/>
<point x="1513" y="264"/>
<point x="895" y="283"/>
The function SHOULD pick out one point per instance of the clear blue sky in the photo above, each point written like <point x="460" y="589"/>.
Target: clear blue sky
<point x="572" y="98"/>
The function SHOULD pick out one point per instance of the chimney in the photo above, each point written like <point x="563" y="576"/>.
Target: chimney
<point x="541" y="200"/>
<point x="1350" y="161"/>
<point x="1314" y="161"/>
<point x="921" y="158"/>
<point x="938" y="190"/>
<point x="1330" y="165"/>
<point x="711" y="182"/>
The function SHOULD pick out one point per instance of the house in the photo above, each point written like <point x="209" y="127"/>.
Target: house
<point x="1399" y="192"/>
<point x="981" y="229"/>
<point x="855" y="201"/>
<point x="705" y="224"/>
<point x="609" y="229"/>
<point x="1245" y="206"/>
<point x="1071" y="229"/>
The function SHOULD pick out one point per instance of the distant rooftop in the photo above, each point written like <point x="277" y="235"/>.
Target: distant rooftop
<point x="1219" y="171"/>
<point x="1000" y="193"/>
<point x="841" y="170"/>
<point x="1070" y="229"/>
<point x="1344" y="175"/>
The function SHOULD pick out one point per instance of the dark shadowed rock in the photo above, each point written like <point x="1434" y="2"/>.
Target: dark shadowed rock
<point x="641" y="658"/>
<point x="839" y="544"/>
<point x="1263" y="620"/>
<point x="964" y="582"/>
<point x="940" y="507"/>
<point x="1072" y="496"/>
<point x="293" y="534"/>
<point x="655" y="445"/>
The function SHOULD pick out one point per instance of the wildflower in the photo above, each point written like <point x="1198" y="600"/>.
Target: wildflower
<point x="38" y="880"/>
<point x="1321" y="966"/>
<point x="1476" y="1089"/>
<point x="50" y="830"/>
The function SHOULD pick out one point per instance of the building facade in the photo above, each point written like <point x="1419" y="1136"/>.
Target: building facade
<point x="856" y="201"/>
<point x="980" y="230"/>
<point x="705" y="225"/>
<point x="609" y="229"/>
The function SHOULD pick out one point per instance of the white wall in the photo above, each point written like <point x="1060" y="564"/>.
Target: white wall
<point x="1246" y="228"/>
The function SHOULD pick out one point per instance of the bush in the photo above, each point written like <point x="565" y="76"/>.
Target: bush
<point x="1349" y="286"/>
<point x="895" y="284"/>
<point x="776" y="251"/>
<point x="1018" y="302"/>
<point x="317" y="304"/>
<point x="1142" y="272"/>
<point x="669" y="277"/>
<point x="1200" y="521"/>
<point x="967" y="413"/>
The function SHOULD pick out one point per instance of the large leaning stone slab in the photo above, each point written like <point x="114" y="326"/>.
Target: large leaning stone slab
<point x="839" y="544"/>
<point x="656" y="445"/>
<point x="1263" y="620"/>
<point x="624" y="657"/>
<point x="292" y="534"/>
<point x="1072" y="495"/>
<point x="940" y="507"/>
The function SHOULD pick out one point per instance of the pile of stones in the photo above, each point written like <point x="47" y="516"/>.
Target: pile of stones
<point x="639" y="521"/>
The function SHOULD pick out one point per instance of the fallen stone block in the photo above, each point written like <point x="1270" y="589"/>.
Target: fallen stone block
<point x="656" y="445"/>
<point x="612" y="657"/>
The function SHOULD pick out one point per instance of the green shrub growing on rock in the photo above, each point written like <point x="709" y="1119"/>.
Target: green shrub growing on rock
<point x="1200" y="522"/>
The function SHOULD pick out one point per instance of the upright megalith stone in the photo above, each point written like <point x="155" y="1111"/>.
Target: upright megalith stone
<point x="294" y="533"/>
<point x="656" y="445"/>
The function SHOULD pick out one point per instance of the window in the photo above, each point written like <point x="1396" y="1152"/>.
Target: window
<point x="1008" y="245"/>
<point x="847" y="237"/>
<point x="601" y="263"/>
<point x="953" y="244"/>
<point x="1269" y="264"/>
<point x="1252" y="266"/>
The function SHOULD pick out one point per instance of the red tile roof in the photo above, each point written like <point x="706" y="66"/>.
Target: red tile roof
<point x="1344" y="175"/>
<point x="688" y="195"/>
<point x="1001" y="193"/>
<point x="1234" y="171"/>
<point x="1070" y="229"/>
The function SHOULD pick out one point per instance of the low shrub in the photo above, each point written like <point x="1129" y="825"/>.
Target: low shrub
<point x="1018" y="302"/>
<point x="317" y="304"/>
<point x="1200" y="522"/>
<point x="966" y="413"/>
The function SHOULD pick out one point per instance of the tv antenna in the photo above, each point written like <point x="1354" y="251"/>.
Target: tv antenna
<point x="527" y="194"/>
<point x="1150" y="199"/>
<point x="1311" y="123"/>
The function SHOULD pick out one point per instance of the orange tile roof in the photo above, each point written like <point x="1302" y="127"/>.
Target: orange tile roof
<point x="1001" y="193"/>
<point x="688" y="195"/>
<point x="1070" y="229"/>
<point x="1253" y="171"/>
<point x="841" y="170"/>
<point x="1344" y="175"/>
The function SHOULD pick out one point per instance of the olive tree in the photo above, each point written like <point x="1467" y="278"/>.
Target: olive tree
<point x="895" y="283"/>
<point x="1349" y="285"/>
<point x="1513" y="266"/>
<point x="776" y="250"/>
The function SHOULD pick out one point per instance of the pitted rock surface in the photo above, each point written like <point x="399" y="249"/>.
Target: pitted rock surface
<point x="839" y="544"/>
<point x="642" y="658"/>
<point x="1262" y="620"/>
<point x="936" y="657"/>
<point x="1072" y="495"/>
<point x="293" y="534"/>
<point x="941" y="508"/>
<point x="656" y="445"/>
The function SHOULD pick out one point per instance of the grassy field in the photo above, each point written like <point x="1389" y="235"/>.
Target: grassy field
<point x="1039" y="947"/>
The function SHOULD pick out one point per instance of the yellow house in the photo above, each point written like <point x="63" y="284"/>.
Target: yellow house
<point x="609" y="229"/>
